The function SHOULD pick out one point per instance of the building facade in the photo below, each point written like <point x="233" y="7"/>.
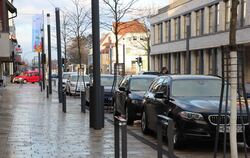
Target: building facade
<point x="132" y="44"/>
<point x="8" y="42"/>
<point x="198" y="28"/>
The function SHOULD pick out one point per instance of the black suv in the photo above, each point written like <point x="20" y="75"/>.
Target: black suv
<point x="192" y="101"/>
<point x="128" y="97"/>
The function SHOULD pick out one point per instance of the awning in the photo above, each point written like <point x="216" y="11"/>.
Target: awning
<point x="10" y="7"/>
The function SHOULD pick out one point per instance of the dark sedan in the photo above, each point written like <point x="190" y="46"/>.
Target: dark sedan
<point x="106" y="81"/>
<point x="192" y="101"/>
<point x="128" y="97"/>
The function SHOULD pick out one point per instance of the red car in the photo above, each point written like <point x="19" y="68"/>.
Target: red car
<point x="28" y="76"/>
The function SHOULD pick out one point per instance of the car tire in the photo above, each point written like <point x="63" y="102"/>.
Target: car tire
<point x="144" y="122"/>
<point x="178" y="139"/>
<point x="129" y="116"/>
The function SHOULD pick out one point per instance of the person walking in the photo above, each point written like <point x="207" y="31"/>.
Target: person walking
<point x="164" y="71"/>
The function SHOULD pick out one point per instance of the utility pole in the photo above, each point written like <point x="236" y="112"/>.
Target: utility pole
<point x="233" y="79"/>
<point x="49" y="53"/>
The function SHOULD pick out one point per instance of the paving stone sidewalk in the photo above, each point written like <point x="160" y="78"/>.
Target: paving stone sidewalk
<point x="33" y="126"/>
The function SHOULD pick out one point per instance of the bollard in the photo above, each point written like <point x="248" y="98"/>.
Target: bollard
<point x="120" y="122"/>
<point x="164" y="121"/>
<point x="47" y="91"/>
<point x="64" y="102"/>
<point x="83" y="102"/>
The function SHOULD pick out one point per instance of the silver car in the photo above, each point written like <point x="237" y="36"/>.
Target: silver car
<point x="75" y="84"/>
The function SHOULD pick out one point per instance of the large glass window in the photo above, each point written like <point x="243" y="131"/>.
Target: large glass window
<point x="186" y="22"/>
<point x="160" y="33"/>
<point x="177" y="28"/>
<point x="167" y="31"/>
<point x="211" y="19"/>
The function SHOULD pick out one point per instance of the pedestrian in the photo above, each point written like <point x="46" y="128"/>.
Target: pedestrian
<point x="164" y="71"/>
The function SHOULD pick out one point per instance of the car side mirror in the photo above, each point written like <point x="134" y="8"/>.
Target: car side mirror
<point x="160" y="95"/>
<point x="122" y="89"/>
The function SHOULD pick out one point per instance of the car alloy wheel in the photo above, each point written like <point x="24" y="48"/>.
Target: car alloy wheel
<point x="144" y="123"/>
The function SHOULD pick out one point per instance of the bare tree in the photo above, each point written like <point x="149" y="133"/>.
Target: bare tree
<point x="65" y="37"/>
<point x="79" y="24"/>
<point x="117" y="9"/>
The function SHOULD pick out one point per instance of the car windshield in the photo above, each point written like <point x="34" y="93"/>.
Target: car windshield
<point x="74" y="78"/>
<point x="196" y="88"/>
<point x="65" y="76"/>
<point x="140" y="84"/>
<point x="108" y="80"/>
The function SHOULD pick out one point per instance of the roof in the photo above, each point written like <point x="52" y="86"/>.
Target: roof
<point x="133" y="26"/>
<point x="142" y="76"/>
<point x="177" y="77"/>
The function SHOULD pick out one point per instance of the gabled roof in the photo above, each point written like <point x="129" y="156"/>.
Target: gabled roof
<point x="133" y="26"/>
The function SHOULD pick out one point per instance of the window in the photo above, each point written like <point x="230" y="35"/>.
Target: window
<point x="227" y="14"/>
<point x="167" y="24"/>
<point x="160" y="33"/>
<point x="211" y="19"/>
<point x="177" y="28"/>
<point x="198" y="21"/>
<point x="202" y="22"/>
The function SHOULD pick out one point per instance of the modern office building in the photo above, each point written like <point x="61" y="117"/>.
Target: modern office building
<point x="187" y="35"/>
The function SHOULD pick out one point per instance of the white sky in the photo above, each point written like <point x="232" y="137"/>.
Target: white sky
<point x="27" y="8"/>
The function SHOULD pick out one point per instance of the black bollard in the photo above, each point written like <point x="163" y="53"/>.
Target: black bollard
<point x="83" y="102"/>
<point x="120" y="122"/>
<point x="64" y="102"/>
<point x="47" y="91"/>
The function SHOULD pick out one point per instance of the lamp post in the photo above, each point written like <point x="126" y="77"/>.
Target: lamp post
<point x="49" y="53"/>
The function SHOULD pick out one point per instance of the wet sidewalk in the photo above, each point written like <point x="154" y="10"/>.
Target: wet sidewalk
<point x="33" y="126"/>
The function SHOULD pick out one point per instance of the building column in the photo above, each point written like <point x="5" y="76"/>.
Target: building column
<point x="219" y="58"/>
<point x="173" y="63"/>
<point x="222" y="17"/>
<point x="152" y="34"/>
<point x="182" y="27"/>
<point x="152" y="62"/>
<point x="156" y="63"/>
<point x="193" y="24"/>
<point x="247" y="21"/>
<point x="182" y="60"/>
<point x="163" y="31"/>
<point x="156" y="34"/>
<point x="206" y="20"/>
<point x="193" y="62"/>
<point x="206" y="61"/>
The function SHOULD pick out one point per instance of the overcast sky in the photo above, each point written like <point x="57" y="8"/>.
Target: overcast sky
<point x="27" y="8"/>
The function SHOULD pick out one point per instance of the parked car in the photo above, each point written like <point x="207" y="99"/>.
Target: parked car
<point x="75" y="84"/>
<point x="192" y="101"/>
<point x="128" y="97"/>
<point x="65" y="77"/>
<point x="28" y="76"/>
<point x="107" y="82"/>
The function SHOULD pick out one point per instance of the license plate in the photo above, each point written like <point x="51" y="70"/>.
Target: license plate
<point x="239" y="129"/>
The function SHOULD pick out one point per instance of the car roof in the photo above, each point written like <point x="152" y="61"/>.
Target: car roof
<point x="77" y="75"/>
<point x="109" y="75"/>
<point x="69" y="73"/>
<point x="142" y="76"/>
<point x="179" y="77"/>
